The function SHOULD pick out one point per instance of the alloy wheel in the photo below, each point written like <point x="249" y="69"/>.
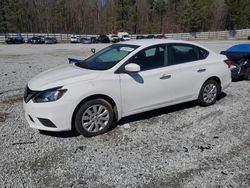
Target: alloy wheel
<point x="95" y="118"/>
<point x="209" y="93"/>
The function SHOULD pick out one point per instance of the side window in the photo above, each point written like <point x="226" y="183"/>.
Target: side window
<point x="150" y="52"/>
<point x="182" y="53"/>
<point x="202" y="53"/>
<point x="151" y="58"/>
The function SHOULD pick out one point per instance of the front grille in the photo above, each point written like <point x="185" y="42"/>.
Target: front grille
<point x="28" y="94"/>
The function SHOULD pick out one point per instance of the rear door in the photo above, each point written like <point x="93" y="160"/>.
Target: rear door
<point x="187" y="66"/>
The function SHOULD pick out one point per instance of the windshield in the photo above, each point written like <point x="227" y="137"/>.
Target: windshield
<point x="108" y="57"/>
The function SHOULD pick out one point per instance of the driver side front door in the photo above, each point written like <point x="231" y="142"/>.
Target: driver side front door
<point x="149" y="88"/>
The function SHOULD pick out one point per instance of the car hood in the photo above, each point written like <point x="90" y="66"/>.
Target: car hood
<point x="61" y="76"/>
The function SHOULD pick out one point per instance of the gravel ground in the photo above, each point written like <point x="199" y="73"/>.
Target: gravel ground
<point x="178" y="146"/>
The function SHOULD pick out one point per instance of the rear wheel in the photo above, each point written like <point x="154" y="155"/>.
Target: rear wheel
<point x="94" y="117"/>
<point x="209" y="93"/>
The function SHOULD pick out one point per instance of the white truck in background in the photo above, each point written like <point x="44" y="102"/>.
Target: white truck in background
<point x="123" y="36"/>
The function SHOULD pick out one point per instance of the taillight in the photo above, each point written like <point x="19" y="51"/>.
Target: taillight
<point x="228" y="62"/>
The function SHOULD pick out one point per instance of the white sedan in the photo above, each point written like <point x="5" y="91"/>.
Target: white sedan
<point x="121" y="80"/>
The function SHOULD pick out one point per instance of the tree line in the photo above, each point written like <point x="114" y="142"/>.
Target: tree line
<point x="133" y="16"/>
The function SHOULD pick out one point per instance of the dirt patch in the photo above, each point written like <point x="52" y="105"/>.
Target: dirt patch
<point x="12" y="99"/>
<point x="111" y="135"/>
<point x="46" y="165"/>
<point x="213" y="114"/>
<point x="11" y="90"/>
<point x="3" y="116"/>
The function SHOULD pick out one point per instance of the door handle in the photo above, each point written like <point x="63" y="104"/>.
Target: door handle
<point x="201" y="70"/>
<point x="164" y="77"/>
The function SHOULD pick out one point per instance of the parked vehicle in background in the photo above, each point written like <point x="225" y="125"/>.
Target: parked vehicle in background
<point x="85" y="40"/>
<point x="29" y="39"/>
<point x="73" y="39"/>
<point x="114" y="38"/>
<point x="123" y="36"/>
<point x="140" y="37"/>
<point x="126" y="37"/>
<point x="103" y="39"/>
<point x="162" y="36"/>
<point x="150" y="37"/>
<point x="121" y="80"/>
<point x="50" y="40"/>
<point x="94" y="40"/>
<point x="18" y="39"/>
<point x="37" y="40"/>
<point x="240" y="59"/>
<point x="10" y="40"/>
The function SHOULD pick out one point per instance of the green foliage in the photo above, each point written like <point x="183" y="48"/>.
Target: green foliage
<point x="9" y="16"/>
<point x="238" y="14"/>
<point x="194" y="15"/>
<point x="133" y="16"/>
<point x="160" y="8"/>
<point x="122" y="10"/>
<point x="58" y="14"/>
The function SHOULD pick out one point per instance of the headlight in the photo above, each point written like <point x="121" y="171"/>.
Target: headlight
<point x="49" y="95"/>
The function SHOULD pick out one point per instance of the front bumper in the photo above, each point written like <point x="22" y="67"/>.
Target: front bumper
<point x="58" y="113"/>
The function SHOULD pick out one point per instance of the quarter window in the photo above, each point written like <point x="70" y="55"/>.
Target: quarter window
<point x="202" y="53"/>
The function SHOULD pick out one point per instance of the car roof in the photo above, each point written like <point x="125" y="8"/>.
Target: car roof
<point x="150" y="42"/>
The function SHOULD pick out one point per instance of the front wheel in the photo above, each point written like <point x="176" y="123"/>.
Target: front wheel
<point x="94" y="117"/>
<point x="209" y="93"/>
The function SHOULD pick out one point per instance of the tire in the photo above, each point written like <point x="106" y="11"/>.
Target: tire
<point x="247" y="74"/>
<point x="209" y="93"/>
<point x="94" y="117"/>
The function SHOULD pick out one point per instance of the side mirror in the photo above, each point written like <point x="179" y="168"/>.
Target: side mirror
<point x="72" y="60"/>
<point x="132" y="67"/>
<point x="93" y="50"/>
<point x="223" y="52"/>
